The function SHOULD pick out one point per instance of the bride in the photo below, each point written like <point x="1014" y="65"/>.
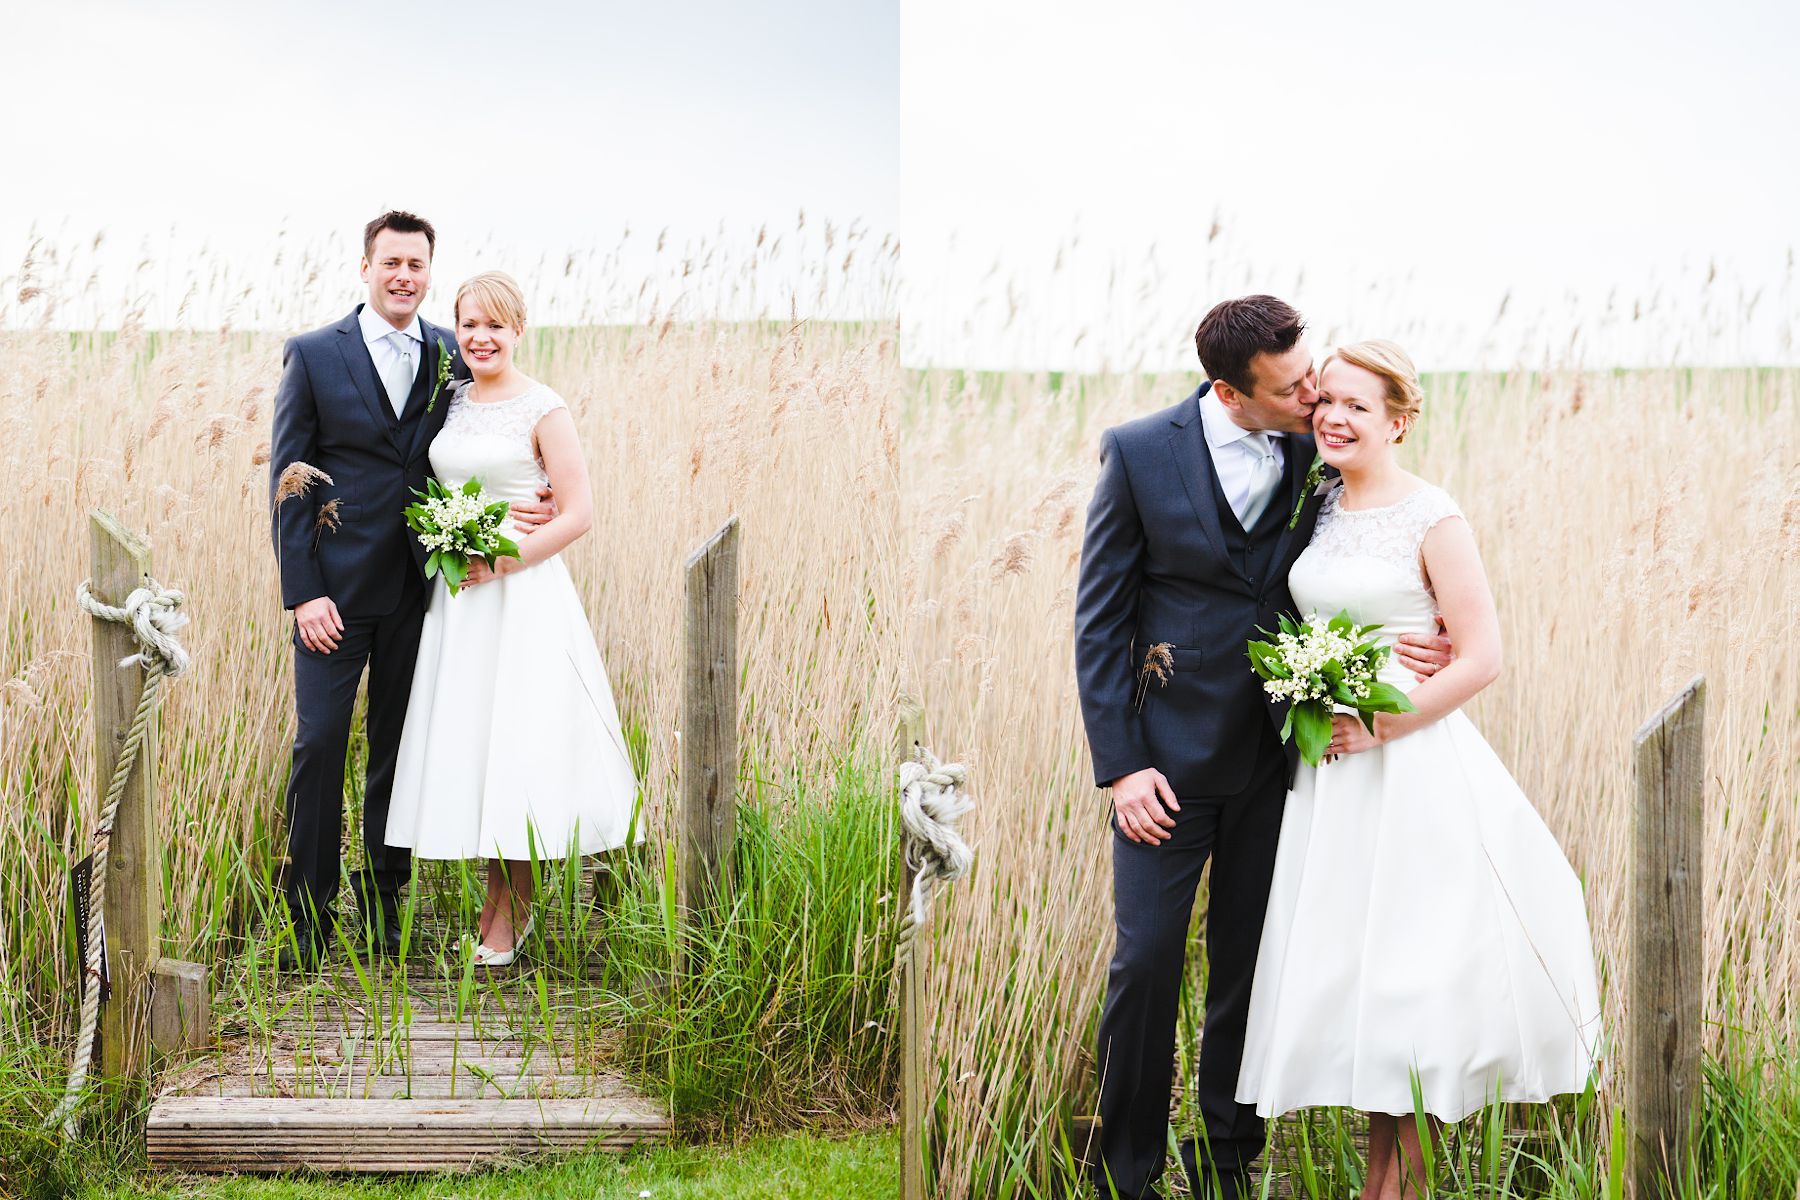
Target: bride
<point x="1425" y="937"/>
<point x="512" y="749"/>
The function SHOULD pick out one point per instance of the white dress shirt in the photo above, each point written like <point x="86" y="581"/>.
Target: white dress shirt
<point x="1233" y="450"/>
<point x="375" y="330"/>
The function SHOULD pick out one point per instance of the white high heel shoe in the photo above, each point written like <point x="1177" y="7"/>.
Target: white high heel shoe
<point x="485" y="957"/>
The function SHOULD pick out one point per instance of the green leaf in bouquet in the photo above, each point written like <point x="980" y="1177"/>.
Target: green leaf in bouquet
<point x="1288" y="625"/>
<point x="1287" y="725"/>
<point x="504" y="547"/>
<point x="1341" y="692"/>
<point x="1385" y="697"/>
<point x="1312" y="729"/>
<point x="1341" y="623"/>
<point x="455" y="571"/>
<point x="472" y="487"/>
<point x="1265" y="660"/>
<point x="1368" y="720"/>
<point x="433" y="563"/>
<point x="496" y="511"/>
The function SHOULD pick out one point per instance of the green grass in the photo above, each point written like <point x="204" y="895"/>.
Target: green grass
<point x="860" y="1166"/>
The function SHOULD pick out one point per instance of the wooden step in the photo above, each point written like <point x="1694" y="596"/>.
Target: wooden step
<point x="266" y="1135"/>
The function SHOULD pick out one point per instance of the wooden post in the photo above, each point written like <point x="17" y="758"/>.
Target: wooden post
<point x="909" y="736"/>
<point x="133" y="915"/>
<point x="180" y="1006"/>
<point x="709" y="720"/>
<point x="1663" y="1084"/>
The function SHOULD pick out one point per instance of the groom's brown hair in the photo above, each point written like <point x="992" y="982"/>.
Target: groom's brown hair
<point x="1236" y="331"/>
<point x="400" y="222"/>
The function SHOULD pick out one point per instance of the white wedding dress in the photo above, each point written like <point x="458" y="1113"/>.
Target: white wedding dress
<point x="1422" y="920"/>
<point x="512" y="740"/>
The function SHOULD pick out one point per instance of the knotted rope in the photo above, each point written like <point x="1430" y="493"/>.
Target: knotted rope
<point x="930" y="810"/>
<point x="153" y="613"/>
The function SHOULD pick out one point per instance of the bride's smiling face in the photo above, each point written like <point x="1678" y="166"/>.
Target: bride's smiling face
<point x="1351" y="425"/>
<point x="487" y="342"/>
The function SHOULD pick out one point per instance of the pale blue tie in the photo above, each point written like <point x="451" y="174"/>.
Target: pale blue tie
<point x="398" y="376"/>
<point x="1265" y="477"/>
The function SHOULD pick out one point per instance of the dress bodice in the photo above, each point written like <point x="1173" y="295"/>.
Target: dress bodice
<point x="1366" y="562"/>
<point x="493" y="442"/>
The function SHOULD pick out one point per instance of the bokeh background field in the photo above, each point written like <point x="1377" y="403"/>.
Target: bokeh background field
<point x="1638" y="527"/>
<point x="788" y="423"/>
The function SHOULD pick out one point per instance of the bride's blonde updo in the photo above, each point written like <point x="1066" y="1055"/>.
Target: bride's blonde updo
<point x="497" y="295"/>
<point x="1401" y="379"/>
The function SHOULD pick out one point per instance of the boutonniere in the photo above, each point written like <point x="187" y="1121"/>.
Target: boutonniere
<point x="1314" y="474"/>
<point x="443" y="374"/>
<point x="1159" y="660"/>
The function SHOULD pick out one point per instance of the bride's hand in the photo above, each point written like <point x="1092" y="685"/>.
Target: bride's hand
<point x="1349" y="737"/>
<point x="480" y="572"/>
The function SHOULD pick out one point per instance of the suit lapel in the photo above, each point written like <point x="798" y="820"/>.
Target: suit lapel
<point x="1193" y="460"/>
<point x="362" y="374"/>
<point x="1300" y="451"/>
<point x="426" y="376"/>
<point x="425" y="424"/>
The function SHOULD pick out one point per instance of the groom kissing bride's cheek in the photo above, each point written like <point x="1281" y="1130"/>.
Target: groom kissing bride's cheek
<point x="1271" y="494"/>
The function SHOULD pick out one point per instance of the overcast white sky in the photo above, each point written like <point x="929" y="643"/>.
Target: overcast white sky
<point x="1394" y="168"/>
<point x="518" y="129"/>
<point x="1075" y="183"/>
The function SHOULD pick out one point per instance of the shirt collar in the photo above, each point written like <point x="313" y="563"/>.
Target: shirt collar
<point x="1220" y="429"/>
<point x="375" y="328"/>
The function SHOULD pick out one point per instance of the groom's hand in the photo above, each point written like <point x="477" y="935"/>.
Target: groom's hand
<point x="1142" y="802"/>
<point x="319" y="624"/>
<point x="529" y="516"/>
<point x="1424" y="654"/>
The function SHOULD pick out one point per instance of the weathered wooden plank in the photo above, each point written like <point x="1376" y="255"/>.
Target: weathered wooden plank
<point x="238" y="1134"/>
<point x="362" y="1085"/>
<point x="909" y="735"/>
<point x="133" y="911"/>
<point x="709" y="720"/>
<point x="1663" y="1040"/>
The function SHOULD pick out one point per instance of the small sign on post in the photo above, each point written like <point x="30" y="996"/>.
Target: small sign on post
<point x="709" y="720"/>
<point x="1663" y="1043"/>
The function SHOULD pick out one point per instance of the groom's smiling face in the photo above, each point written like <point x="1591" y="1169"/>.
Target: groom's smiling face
<point x="398" y="272"/>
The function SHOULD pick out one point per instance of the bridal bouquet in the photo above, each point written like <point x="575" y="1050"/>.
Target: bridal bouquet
<point x="458" y="527"/>
<point x="1319" y="665"/>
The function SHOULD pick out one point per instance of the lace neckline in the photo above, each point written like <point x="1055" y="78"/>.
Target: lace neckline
<point x="468" y="396"/>
<point x="1337" y="502"/>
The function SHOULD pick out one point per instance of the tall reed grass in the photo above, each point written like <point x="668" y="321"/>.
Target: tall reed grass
<point x="788" y="423"/>
<point x="1638" y="526"/>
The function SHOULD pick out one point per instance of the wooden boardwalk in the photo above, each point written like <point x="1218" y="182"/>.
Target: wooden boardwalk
<point x="404" y="1072"/>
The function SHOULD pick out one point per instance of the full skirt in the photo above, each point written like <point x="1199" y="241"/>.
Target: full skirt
<point x="1423" y="925"/>
<point x="512" y="745"/>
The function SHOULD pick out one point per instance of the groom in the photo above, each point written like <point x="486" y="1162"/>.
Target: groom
<point x="1198" y="513"/>
<point x="360" y="402"/>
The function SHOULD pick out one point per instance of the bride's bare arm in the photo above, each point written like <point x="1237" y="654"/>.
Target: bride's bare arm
<point x="1453" y="566"/>
<point x="559" y="447"/>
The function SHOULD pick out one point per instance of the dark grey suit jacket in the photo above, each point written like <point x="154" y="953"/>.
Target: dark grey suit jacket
<point x="1154" y="568"/>
<point x="332" y="411"/>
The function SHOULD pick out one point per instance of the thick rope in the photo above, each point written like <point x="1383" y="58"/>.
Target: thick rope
<point x="153" y="613"/>
<point x="930" y="810"/>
